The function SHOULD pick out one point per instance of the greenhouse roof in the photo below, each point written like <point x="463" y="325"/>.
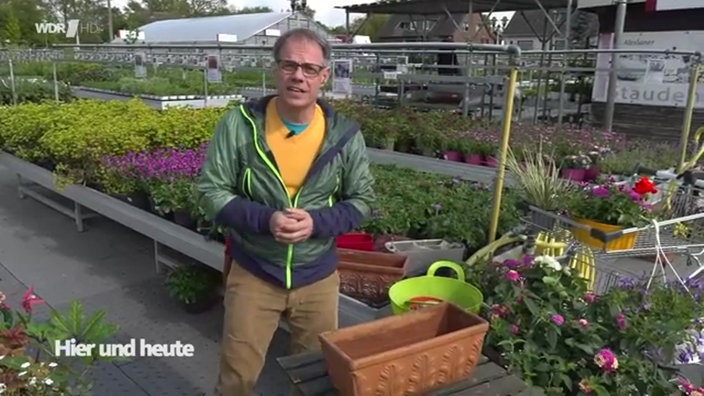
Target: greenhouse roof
<point x="207" y="29"/>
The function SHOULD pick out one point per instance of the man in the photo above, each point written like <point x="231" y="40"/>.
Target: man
<point x="287" y="174"/>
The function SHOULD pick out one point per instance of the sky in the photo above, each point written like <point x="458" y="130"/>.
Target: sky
<point x="325" y="11"/>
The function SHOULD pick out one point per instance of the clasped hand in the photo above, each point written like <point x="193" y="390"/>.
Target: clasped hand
<point x="291" y="225"/>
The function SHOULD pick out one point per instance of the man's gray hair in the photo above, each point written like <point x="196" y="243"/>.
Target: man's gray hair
<point x="306" y="34"/>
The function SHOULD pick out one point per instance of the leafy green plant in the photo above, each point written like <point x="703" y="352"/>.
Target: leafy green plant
<point x="539" y="182"/>
<point x="190" y="283"/>
<point x="31" y="364"/>
<point x="425" y="205"/>
<point x="554" y="332"/>
<point x="177" y="195"/>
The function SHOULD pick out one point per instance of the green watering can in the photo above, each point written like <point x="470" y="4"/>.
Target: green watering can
<point x="414" y="293"/>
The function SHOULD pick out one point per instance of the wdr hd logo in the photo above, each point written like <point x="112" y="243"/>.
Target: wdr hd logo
<point x="69" y="29"/>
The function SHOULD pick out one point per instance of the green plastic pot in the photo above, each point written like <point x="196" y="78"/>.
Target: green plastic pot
<point x="431" y="287"/>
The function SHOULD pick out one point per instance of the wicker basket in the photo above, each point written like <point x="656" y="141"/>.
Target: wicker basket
<point x="367" y="276"/>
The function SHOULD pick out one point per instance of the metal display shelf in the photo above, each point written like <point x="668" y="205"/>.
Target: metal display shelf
<point x="160" y="230"/>
<point x="157" y="102"/>
<point x="171" y="241"/>
<point x="481" y="174"/>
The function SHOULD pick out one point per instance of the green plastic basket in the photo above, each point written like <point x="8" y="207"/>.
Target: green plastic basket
<point x="455" y="291"/>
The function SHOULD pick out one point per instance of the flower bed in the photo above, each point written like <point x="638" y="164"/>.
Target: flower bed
<point x="560" y="336"/>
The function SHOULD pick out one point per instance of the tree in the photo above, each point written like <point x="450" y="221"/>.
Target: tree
<point x="371" y="27"/>
<point x="208" y="7"/>
<point x="251" y="10"/>
<point x="11" y="31"/>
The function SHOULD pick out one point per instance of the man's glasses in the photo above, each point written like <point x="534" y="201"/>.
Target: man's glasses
<point x="309" y="69"/>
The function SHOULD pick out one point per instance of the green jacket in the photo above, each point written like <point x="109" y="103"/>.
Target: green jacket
<point x="241" y="188"/>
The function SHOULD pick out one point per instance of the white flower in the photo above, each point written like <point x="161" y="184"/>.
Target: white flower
<point x="22" y="374"/>
<point x="549" y="262"/>
<point x="48" y="381"/>
<point x="53" y="364"/>
<point x="33" y="381"/>
<point x="3" y="387"/>
<point x="25" y="365"/>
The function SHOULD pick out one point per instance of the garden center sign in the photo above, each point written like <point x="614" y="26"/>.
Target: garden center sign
<point x="654" y="79"/>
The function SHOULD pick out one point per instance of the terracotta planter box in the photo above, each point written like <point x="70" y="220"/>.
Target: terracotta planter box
<point x="367" y="276"/>
<point x="407" y="354"/>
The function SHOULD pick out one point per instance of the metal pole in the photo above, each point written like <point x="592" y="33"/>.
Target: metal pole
<point x="688" y="113"/>
<point x="619" y="25"/>
<point x="503" y="154"/>
<point x="568" y="27"/>
<point x="13" y="88"/>
<point x="205" y="87"/>
<point x="110" y="31"/>
<point x="56" y="82"/>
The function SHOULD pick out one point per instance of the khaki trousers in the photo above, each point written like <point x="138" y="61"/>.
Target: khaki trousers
<point x="253" y="309"/>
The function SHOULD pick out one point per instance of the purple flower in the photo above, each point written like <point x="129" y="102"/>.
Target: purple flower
<point x="558" y="319"/>
<point x="514" y="329"/>
<point x="165" y="165"/>
<point x="512" y="263"/>
<point x="600" y="191"/>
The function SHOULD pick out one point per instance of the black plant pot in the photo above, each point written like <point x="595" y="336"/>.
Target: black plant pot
<point x="185" y="219"/>
<point x="47" y="164"/>
<point x="203" y="305"/>
<point x="137" y="199"/>
<point x="152" y="208"/>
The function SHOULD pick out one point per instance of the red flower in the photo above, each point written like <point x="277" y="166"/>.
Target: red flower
<point x="645" y="186"/>
<point x="30" y="299"/>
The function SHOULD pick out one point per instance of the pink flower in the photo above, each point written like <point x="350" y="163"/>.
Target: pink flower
<point x="558" y="319"/>
<point x="512" y="275"/>
<point x="621" y="321"/>
<point x="589" y="297"/>
<point x="514" y="329"/>
<point x="585" y="387"/>
<point x="583" y="323"/>
<point x="29" y="299"/>
<point x="606" y="360"/>
<point x="685" y="385"/>
<point x="500" y="311"/>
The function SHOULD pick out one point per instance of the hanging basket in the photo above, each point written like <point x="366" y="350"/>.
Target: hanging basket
<point x="624" y="242"/>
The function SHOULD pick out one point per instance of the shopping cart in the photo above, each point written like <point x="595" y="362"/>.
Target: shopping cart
<point x="529" y="239"/>
<point x="680" y="201"/>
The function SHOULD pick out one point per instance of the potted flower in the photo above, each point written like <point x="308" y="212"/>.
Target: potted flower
<point x="574" y="167"/>
<point x="472" y="150"/>
<point x="119" y="178"/>
<point x="177" y="198"/>
<point x="611" y="207"/>
<point x="539" y="184"/>
<point x="195" y="287"/>
<point x="595" y="157"/>
<point x="487" y="146"/>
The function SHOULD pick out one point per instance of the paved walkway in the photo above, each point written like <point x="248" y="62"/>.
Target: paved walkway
<point x="111" y="267"/>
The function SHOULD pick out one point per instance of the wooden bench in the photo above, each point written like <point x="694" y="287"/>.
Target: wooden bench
<point x="309" y="376"/>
